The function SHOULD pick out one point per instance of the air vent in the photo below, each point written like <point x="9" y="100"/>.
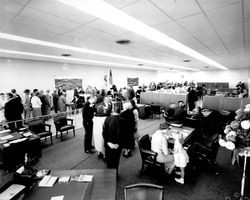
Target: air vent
<point x="122" y="42"/>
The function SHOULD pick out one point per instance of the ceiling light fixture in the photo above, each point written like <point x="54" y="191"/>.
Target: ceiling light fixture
<point x="114" y="64"/>
<point x="186" y="60"/>
<point x="66" y="54"/>
<point x="82" y="50"/>
<point x="105" y="11"/>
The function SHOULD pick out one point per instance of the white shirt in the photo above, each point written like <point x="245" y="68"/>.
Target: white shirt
<point x="36" y="102"/>
<point x="159" y="143"/>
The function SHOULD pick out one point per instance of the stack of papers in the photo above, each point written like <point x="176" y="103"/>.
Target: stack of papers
<point x="48" y="181"/>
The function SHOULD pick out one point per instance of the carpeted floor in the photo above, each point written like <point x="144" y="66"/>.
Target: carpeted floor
<point x="200" y="183"/>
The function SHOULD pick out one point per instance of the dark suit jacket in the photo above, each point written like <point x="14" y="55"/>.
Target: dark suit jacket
<point x="88" y="113"/>
<point x="13" y="110"/>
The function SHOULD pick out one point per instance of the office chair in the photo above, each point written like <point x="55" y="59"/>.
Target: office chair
<point x="38" y="127"/>
<point x="61" y="124"/>
<point x="147" y="155"/>
<point x="156" y="110"/>
<point x="143" y="191"/>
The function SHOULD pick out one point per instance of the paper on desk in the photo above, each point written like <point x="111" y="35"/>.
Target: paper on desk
<point x="48" y="181"/>
<point x="6" y="137"/>
<point x="57" y="197"/>
<point x="85" y="178"/>
<point x="17" y="140"/>
<point x="27" y="134"/>
<point x="64" y="179"/>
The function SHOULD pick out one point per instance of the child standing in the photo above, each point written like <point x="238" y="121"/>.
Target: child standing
<point x="180" y="156"/>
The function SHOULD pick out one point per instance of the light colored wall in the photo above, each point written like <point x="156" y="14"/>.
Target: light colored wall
<point x="21" y="74"/>
<point x="230" y="76"/>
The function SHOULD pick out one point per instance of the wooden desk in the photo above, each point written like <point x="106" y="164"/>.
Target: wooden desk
<point x="187" y="132"/>
<point x="13" y="153"/>
<point x="104" y="184"/>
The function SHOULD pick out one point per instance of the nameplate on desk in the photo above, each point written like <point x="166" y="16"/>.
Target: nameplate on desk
<point x="7" y="137"/>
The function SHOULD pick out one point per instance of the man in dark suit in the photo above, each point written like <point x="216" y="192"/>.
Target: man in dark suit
<point x="112" y="134"/>
<point x="180" y="112"/>
<point x="87" y="116"/>
<point x="13" y="110"/>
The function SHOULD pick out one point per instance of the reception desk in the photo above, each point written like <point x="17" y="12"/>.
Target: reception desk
<point x="103" y="186"/>
<point x="162" y="99"/>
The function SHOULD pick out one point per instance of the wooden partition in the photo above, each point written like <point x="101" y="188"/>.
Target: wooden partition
<point x="220" y="103"/>
<point x="230" y="104"/>
<point x="162" y="99"/>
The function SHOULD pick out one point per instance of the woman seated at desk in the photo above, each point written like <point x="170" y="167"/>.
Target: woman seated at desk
<point x="159" y="145"/>
<point x="197" y="113"/>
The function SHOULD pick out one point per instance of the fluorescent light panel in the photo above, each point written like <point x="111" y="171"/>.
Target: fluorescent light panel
<point x="113" y="64"/>
<point x="105" y="11"/>
<point x="82" y="50"/>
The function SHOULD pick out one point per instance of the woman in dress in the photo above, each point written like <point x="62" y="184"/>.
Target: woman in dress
<point x="180" y="156"/>
<point x="98" y="122"/>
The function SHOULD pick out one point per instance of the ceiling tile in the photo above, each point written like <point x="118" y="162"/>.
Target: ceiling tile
<point x="226" y="15"/>
<point x="195" y="23"/>
<point x="178" y="9"/>
<point x="21" y="25"/>
<point x="40" y="16"/>
<point x="104" y="26"/>
<point x="85" y="30"/>
<point x="5" y="18"/>
<point x="171" y="29"/>
<point x="141" y="11"/>
<point x="247" y="11"/>
<point x="212" y="4"/>
<point x="121" y="3"/>
<point x="9" y="6"/>
<point x="61" y="10"/>
<point x="20" y="1"/>
<point x="229" y="32"/>
<point x="205" y="35"/>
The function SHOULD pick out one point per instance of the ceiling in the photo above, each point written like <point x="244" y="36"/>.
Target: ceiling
<point x="218" y="29"/>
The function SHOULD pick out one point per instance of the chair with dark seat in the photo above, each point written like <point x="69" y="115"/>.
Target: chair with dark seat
<point x="192" y="122"/>
<point x="206" y="145"/>
<point x="61" y="124"/>
<point x="143" y="191"/>
<point x="148" y="156"/>
<point x="156" y="110"/>
<point x="38" y="127"/>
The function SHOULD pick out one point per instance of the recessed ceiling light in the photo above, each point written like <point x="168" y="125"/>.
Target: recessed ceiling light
<point x="140" y="64"/>
<point x="66" y="54"/>
<point x="206" y="67"/>
<point x="84" y="50"/>
<point x="70" y="59"/>
<point x="187" y="60"/>
<point x="108" y="13"/>
<point x="122" y="42"/>
<point x="170" y="68"/>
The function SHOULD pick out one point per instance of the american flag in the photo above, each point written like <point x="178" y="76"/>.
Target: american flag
<point x="105" y="80"/>
<point x="110" y="78"/>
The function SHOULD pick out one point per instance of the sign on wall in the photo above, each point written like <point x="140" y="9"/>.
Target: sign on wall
<point x="133" y="81"/>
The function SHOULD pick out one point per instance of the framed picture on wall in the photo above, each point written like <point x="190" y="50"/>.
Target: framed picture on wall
<point x="68" y="83"/>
